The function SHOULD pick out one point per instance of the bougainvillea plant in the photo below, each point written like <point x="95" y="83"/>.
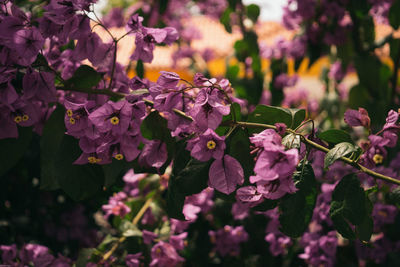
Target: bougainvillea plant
<point x="103" y="167"/>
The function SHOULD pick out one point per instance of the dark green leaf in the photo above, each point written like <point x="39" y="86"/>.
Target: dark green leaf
<point x="394" y="11"/>
<point x="226" y="19"/>
<point x="271" y="115"/>
<point x="267" y="204"/>
<point x="84" y="256"/>
<point x="239" y="148"/>
<point x="13" y="149"/>
<point x="85" y="77"/>
<point x="53" y="134"/>
<point x="154" y="127"/>
<point x="335" y="136"/>
<point x="114" y="170"/>
<point x="340" y="150"/>
<point x="365" y="228"/>
<point x="193" y="178"/>
<point x="253" y="11"/>
<point x="140" y="68"/>
<point x="297" y="209"/>
<point x="349" y="206"/>
<point x="78" y="181"/>
<point x="175" y="200"/>
<point x="358" y="96"/>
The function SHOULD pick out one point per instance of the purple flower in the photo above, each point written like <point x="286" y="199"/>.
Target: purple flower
<point x="278" y="243"/>
<point x="177" y="241"/>
<point x="336" y="72"/>
<point x="190" y="212"/>
<point x="115" y="207"/>
<point x="277" y="188"/>
<point x="376" y="152"/>
<point x="228" y="239"/>
<point x="267" y="136"/>
<point x="154" y="154"/>
<point x="112" y="116"/>
<point x="146" y="39"/>
<point x="9" y="253"/>
<point x="135" y="23"/>
<point x="225" y="174"/>
<point x="274" y="163"/>
<point x="132" y="260"/>
<point x="148" y="237"/>
<point x="283" y="80"/>
<point x="8" y="95"/>
<point x="248" y="194"/>
<point x="164" y="255"/>
<point x="168" y="79"/>
<point x="280" y="128"/>
<point x="206" y="146"/>
<point x="209" y="108"/>
<point x="27" y="43"/>
<point x="383" y="214"/>
<point x="357" y="118"/>
<point x="39" y="85"/>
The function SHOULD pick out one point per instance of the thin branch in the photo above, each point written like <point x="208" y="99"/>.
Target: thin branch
<point x="114" y="64"/>
<point x="135" y="221"/>
<point x="323" y="149"/>
<point x="104" y="91"/>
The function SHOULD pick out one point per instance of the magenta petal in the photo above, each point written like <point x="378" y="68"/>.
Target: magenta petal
<point x="225" y="174"/>
<point x="248" y="194"/>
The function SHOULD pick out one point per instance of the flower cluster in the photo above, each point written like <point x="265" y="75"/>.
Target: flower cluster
<point x="274" y="166"/>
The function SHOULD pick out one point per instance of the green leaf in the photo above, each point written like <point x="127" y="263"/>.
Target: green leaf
<point x="84" y="256"/>
<point x="78" y="181"/>
<point x="175" y="200"/>
<point x="114" y="170"/>
<point x="140" y="68"/>
<point x="85" y="77"/>
<point x="267" y="204"/>
<point x="253" y="11"/>
<point x="358" y="96"/>
<point x="225" y="19"/>
<point x="349" y="206"/>
<point x="340" y="150"/>
<point x="128" y="229"/>
<point x="53" y="134"/>
<point x="13" y="149"/>
<point x="271" y="115"/>
<point x="297" y="209"/>
<point x="366" y="227"/>
<point x="193" y="178"/>
<point x="155" y="127"/>
<point x="239" y="148"/>
<point x="394" y="11"/>
<point x="335" y="136"/>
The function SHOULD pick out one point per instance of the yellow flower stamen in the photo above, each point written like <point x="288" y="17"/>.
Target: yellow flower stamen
<point x="69" y="113"/>
<point x="378" y="159"/>
<point x="211" y="144"/>
<point x="98" y="160"/>
<point x="72" y="120"/>
<point x="158" y="251"/>
<point x="17" y="119"/>
<point x="119" y="157"/>
<point x="92" y="159"/>
<point x="25" y="117"/>
<point x="114" y="120"/>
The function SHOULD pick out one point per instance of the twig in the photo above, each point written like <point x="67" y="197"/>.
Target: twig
<point x="135" y="221"/>
<point x="323" y="149"/>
